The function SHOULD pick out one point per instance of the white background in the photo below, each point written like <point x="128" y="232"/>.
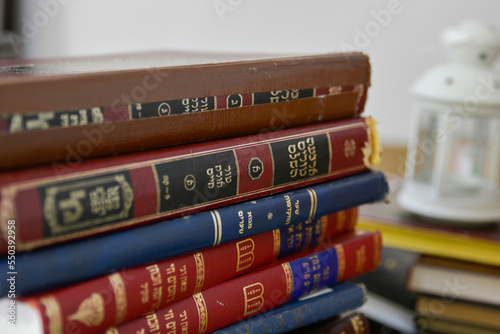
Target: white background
<point x="401" y="45"/>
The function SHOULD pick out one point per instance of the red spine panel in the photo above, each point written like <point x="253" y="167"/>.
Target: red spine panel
<point x="111" y="193"/>
<point x="254" y="293"/>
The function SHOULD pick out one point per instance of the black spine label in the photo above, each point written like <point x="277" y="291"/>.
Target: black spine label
<point x="197" y="180"/>
<point x="175" y="107"/>
<point x="301" y="158"/>
<point x="282" y="96"/>
<point x="71" y="206"/>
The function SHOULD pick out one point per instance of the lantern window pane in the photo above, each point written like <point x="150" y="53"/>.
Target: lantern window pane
<point x="425" y="150"/>
<point x="473" y="158"/>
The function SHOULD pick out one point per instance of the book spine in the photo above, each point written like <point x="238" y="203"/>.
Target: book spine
<point x="263" y="290"/>
<point x="46" y="120"/>
<point x="68" y="263"/>
<point x="158" y="284"/>
<point x="356" y="323"/>
<point x="106" y="112"/>
<point x="301" y="313"/>
<point x="124" y="191"/>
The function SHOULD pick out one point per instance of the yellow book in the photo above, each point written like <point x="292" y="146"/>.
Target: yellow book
<point x="403" y="230"/>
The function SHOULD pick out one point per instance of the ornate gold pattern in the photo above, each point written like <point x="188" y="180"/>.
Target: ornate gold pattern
<point x="288" y="279"/>
<point x="90" y="311"/>
<point x="112" y="330"/>
<point x="78" y="188"/>
<point x="53" y="313"/>
<point x="201" y="307"/>
<point x="200" y="271"/>
<point x="277" y="243"/>
<point x="341" y="262"/>
<point x="360" y="259"/>
<point x="120" y="292"/>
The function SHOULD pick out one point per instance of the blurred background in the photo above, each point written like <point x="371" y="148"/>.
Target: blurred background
<point x="400" y="36"/>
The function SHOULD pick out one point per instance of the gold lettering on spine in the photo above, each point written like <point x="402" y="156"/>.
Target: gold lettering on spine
<point x="217" y="226"/>
<point x="314" y="203"/>
<point x="90" y="311"/>
<point x="200" y="271"/>
<point x="341" y="262"/>
<point x="118" y="286"/>
<point x="53" y="313"/>
<point x="277" y="243"/>
<point x="201" y="307"/>
<point x="288" y="279"/>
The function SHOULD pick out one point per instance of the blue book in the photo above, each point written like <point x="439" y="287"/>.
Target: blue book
<point x="65" y="264"/>
<point x="340" y="298"/>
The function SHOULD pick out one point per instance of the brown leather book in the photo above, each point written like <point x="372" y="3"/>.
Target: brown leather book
<point x="68" y="110"/>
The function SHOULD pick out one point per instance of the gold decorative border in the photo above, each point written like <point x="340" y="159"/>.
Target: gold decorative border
<point x="277" y="243"/>
<point x="288" y="279"/>
<point x="201" y="307"/>
<point x="341" y="262"/>
<point x="53" y="313"/>
<point x="120" y="292"/>
<point x="200" y="271"/>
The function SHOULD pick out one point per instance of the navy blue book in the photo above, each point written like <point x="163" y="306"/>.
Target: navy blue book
<point x="56" y="266"/>
<point x="343" y="297"/>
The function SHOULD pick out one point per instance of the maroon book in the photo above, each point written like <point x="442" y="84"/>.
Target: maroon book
<point x="60" y="202"/>
<point x="59" y="110"/>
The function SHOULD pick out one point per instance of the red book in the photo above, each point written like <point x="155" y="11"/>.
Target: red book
<point x="51" y="204"/>
<point x="95" y="305"/>
<point x="262" y="290"/>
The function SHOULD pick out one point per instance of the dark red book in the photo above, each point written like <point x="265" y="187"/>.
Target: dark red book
<point x="68" y="110"/>
<point x="263" y="290"/>
<point x="97" y="304"/>
<point x="51" y="204"/>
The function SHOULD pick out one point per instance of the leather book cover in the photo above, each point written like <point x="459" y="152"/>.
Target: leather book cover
<point x="70" y="110"/>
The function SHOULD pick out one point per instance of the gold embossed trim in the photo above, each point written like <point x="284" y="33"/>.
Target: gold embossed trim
<point x="120" y="292"/>
<point x="341" y="262"/>
<point x="201" y="307"/>
<point x="53" y="313"/>
<point x="314" y="203"/>
<point x="277" y="243"/>
<point x="217" y="226"/>
<point x="288" y="279"/>
<point x="200" y="271"/>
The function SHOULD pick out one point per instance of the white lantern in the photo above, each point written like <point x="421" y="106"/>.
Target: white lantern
<point x="453" y="160"/>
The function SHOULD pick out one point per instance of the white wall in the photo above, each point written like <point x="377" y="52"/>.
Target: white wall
<point x="401" y="43"/>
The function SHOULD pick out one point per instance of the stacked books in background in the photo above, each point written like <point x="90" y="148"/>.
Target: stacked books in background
<point x="448" y="278"/>
<point x="186" y="237"/>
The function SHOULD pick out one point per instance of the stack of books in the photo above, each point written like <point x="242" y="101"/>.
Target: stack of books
<point x="448" y="277"/>
<point x="186" y="198"/>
